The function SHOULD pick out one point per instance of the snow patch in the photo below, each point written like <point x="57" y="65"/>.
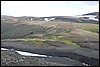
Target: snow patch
<point x="26" y="53"/>
<point x="29" y="54"/>
<point x="4" y="49"/>
<point x="49" y="19"/>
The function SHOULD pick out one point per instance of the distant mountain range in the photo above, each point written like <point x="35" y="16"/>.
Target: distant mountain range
<point x="93" y="13"/>
<point x="85" y="18"/>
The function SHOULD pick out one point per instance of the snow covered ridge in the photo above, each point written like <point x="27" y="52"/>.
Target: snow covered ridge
<point x="91" y="17"/>
<point x="88" y="17"/>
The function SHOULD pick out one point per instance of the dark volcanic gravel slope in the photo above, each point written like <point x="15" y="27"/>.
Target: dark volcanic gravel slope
<point x="11" y="58"/>
<point x="83" y="55"/>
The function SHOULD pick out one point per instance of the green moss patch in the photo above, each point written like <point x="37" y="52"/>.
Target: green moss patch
<point x="41" y="41"/>
<point x="95" y="30"/>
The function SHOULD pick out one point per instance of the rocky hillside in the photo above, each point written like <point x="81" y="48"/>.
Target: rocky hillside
<point x="63" y="40"/>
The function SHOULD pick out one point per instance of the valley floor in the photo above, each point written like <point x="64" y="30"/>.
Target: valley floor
<point x="66" y="46"/>
<point x="62" y="54"/>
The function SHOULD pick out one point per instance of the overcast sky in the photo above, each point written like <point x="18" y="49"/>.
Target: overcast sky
<point x="48" y="8"/>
